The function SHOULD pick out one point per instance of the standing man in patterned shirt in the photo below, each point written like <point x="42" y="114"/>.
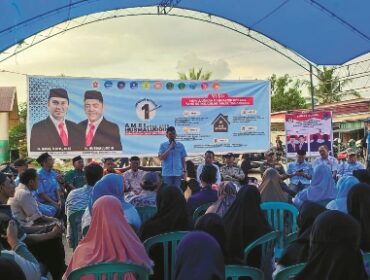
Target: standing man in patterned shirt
<point x="172" y="154"/>
<point x="230" y="171"/>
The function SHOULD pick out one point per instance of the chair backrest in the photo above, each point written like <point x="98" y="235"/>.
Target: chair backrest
<point x="233" y="272"/>
<point x="146" y="212"/>
<point x="282" y="217"/>
<point x="267" y="243"/>
<point x="288" y="272"/>
<point x="366" y="257"/>
<point x="291" y="237"/>
<point x="169" y="242"/>
<point x="110" y="270"/>
<point x="75" y="223"/>
<point x="200" y="211"/>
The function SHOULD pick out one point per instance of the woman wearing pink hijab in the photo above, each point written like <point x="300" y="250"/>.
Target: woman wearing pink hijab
<point x="109" y="239"/>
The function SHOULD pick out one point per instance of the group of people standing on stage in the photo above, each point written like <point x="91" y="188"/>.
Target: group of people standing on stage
<point x="56" y="133"/>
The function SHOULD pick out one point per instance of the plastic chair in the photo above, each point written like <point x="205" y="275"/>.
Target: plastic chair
<point x="74" y="221"/>
<point x="282" y="217"/>
<point x="169" y="241"/>
<point x="267" y="242"/>
<point x="291" y="237"/>
<point x="233" y="272"/>
<point x="200" y="211"/>
<point x="288" y="272"/>
<point x="109" y="270"/>
<point x="146" y="212"/>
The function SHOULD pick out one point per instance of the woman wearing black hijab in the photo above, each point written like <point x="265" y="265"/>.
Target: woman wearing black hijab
<point x="213" y="225"/>
<point x="297" y="251"/>
<point x="199" y="256"/>
<point x="244" y="223"/>
<point x="9" y="269"/>
<point x="335" y="249"/>
<point x="171" y="216"/>
<point x="358" y="205"/>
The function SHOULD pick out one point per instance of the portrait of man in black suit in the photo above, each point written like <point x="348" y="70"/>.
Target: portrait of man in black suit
<point x="302" y="145"/>
<point x="97" y="130"/>
<point x="55" y="131"/>
<point x="292" y="145"/>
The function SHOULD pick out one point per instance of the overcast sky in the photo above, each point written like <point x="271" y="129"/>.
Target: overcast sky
<point x="148" y="47"/>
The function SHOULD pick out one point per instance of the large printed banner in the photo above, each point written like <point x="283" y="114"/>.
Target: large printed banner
<point x="308" y="131"/>
<point x="116" y="117"/>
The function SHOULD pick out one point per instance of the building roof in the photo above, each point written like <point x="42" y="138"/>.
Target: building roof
<point x="349" y="110"/>
<point x="7" y="98"/>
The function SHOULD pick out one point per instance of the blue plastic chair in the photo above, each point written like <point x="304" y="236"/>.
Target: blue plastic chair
<point x="291" y="237"/>
<point x="282" y="217"/>
<point x="200" y="211"/>
<point x="110" y="270"/>
<point x="75" y="223"/>
<point x="267" y="242"/>
<point x="289" y="271"/>
<point x="146" y="212"/>
<point x="234" y="272"/>
<point x="169" y="242"/>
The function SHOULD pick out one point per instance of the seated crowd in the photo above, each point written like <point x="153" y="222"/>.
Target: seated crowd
<point x="333" y="221"/>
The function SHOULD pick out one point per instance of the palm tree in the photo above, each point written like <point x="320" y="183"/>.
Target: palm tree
<point x="195" y="74"/>
<point x="329" y="88"/>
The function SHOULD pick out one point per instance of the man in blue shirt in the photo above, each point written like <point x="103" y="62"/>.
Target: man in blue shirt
<point x="21" y="165"/>
<point x="352" y="164"/>
<point x="299" y="172"/>
<point x="172" y="154"/>
<point x="48" y="190"/>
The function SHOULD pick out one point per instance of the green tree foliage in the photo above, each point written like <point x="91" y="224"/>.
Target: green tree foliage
<point x="17" y="135"/>
<point x="286" y="94"/>
<point x="195" y="74"/>
<point x="329" y="87"/>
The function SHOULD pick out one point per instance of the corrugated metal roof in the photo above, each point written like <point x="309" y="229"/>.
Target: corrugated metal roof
<point x="7" y="97"/>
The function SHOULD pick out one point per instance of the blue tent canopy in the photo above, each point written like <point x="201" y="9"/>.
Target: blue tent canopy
<point x="325" y="32"/>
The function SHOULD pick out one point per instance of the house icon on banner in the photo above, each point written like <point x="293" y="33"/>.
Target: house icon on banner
<point x="221" y="123"/>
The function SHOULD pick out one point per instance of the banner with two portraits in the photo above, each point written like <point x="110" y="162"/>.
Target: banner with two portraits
<point x="120" y="118"/>
<point x="308" y="131"/>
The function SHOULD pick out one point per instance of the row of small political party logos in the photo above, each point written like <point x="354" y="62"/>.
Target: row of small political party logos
<point x="69" y="116"/>
<point x="158" y="85"/>
<point x="308" y="131"/>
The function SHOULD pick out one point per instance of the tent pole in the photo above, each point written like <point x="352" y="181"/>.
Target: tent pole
<point x="312" y="89"/>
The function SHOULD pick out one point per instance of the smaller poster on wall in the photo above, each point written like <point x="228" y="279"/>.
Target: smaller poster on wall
<point x="308" y="131"/>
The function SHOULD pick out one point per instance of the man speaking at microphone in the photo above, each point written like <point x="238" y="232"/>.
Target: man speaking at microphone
<point x="172" y="154"/>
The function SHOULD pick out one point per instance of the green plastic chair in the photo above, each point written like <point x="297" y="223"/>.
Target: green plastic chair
<point x="268" y="242"/>
<point x="289" y="271"/>
<point x="200" y="211"/>
<point x="282" y="217"/>
<point x="109" y="270"/>
<point x="233" y="272"/>
<point x="74" y="222"/>
<point x="169" y="241"/>
<point x="291" y="237"/>
<point x="146" y="212"/>
<point x="366" y="258"/>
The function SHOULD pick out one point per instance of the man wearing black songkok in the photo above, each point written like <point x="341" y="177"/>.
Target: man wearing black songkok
<point x="97" y="130"/>
<point x="55" y="131"/>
